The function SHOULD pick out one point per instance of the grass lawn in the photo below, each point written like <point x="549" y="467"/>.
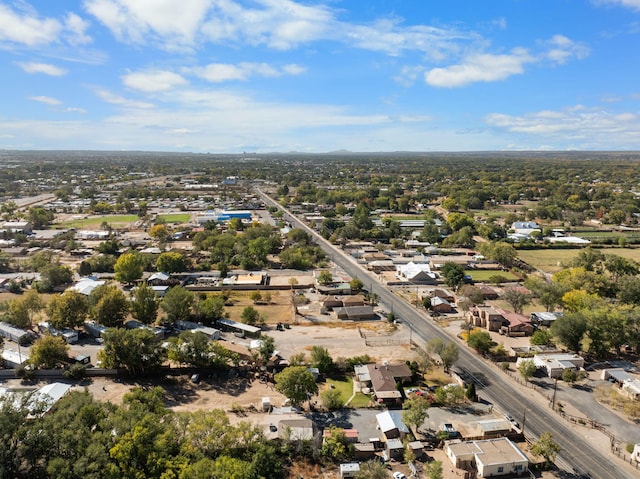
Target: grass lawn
<point x="547" y="260"/>
<point x="551" y="260"/>
<point x="342" y="384"/>
<point x="175" y="218"/>
<point x="94" y="222"/>
<point x="360" y="400"/>
<point x="483" y="276"/>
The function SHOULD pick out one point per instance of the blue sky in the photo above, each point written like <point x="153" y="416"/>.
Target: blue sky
<point x="320" y="75"/>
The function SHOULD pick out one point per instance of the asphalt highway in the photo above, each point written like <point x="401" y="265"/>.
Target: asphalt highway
<point x="577" y="456"/>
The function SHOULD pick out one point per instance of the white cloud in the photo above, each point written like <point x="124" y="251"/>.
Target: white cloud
<point x="26" y="28"/>
<point x="592" y="127"/>
<point x="222" y="72"/>
<point x="46" y="99"/>
<point x="561" y="49"/>
<point x="114" y="99"/>
<point x="46" y="68"/>
<point x="633" y="4"/>
<point x="73" y="109"/>
<point x="76" y="28"/>
<point x="479" y="68"/>
<point x="174" y="24"/>
<point x="153" y="80"/>
<point x="280" y="24"/>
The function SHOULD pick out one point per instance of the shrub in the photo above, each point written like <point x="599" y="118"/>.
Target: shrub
<point x="75" y="371"/>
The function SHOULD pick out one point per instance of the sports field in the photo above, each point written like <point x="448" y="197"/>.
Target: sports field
<point x="94" y="222"/>
<point x="175" y="218"/>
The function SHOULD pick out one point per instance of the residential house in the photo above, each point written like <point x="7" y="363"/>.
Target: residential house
<point x="444" y="294"/>
<point x="394" y="449"/>
<point x="525" y="227"/>
<point x="382" y="379"/>
<point x="554" y="364"/>
<point x="515" y="324"/>
<point x="487" y="292"/>
<point x="418" y="273"/>
<point x="545" y="318"/>
<point x="488" y="458"/>
<point x="296" y="429"/>
<point x="355" y="313"/>
<point x="486" y="317"/>
<point x="440" y="305"/>
<point x="23" y="227"/>
<point x="86" y="285"/>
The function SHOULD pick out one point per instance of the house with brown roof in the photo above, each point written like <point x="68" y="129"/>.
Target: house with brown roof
<point x="383" y="379"/>
<point x="486" y="317"/>
<point x="515" y="324"/>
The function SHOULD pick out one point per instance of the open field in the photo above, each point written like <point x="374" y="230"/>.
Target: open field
<point x="482" y="276"/>
<point x="547" y="260"/>
<point x="93" y="222"/>
<point x="175" y="217"/>
<point x="551" y="260"/>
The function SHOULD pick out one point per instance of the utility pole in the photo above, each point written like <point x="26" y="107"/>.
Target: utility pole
<point x="553" y="400"/>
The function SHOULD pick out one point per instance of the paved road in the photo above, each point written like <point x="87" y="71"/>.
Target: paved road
<point x="578" y="458"/>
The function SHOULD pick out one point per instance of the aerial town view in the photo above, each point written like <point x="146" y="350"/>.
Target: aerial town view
<point x="277" y="239"/>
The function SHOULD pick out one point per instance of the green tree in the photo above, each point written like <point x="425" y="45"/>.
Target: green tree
<point x="457" y="221"/>
<point x="448" y="351"/>
<point x="137" y="351"/>
<point x="256" y="296"/>
<point x="171" y="262"/>
<point x="527" y="369"/>
<point x="48" y="352"/>
<point x="160" y="232"/>
<point x="503" y="253"/>
<point x="190" y="348"/>
<point x="128" y="268"/>
<point x="144" y="306"/>
<point x="296" y="383"/>
<point x="325" y="277"/>
<point x="40" y="217"/>
<point x="480" y="341"/>
<point x="433" y="470"/>
<point x="53" y="275"/>
<point x="68" y="310"/>
<point x="570" y="330"/>
<point x="109" y="305"/>
<point x="546" y="447"/>
<point x="356" y="285"/>
<point x="250" y="315"/>
<point x="416" y="410"/>
<point x="548" y="293"/>
<point x="177" y="303"/>
<point x="19" y="314"/>
<point x="541" y="337"/>
<point x="517" y="299"/>
<point x="321" y="359"/>
<point x="267" y="348"/>
<point x="336" y="445"/>
<point x="569" y="376"/>
<point x="212" y="309"/>
<point x="331" y="399"/>
<point x="453" y="274"/>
